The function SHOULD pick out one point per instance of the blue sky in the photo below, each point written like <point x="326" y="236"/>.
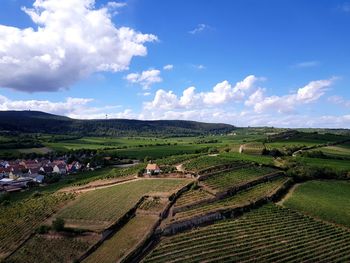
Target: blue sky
<point x="276" y="63"/>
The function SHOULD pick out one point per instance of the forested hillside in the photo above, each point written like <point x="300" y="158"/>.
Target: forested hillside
<point x="41" y="122"/>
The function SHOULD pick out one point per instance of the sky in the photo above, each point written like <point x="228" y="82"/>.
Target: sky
<point x="281" y="63"/>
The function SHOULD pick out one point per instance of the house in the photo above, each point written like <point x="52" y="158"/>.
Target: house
<point x="4" y="172"/>
<point x="73" y="167"/>
<point x="46" y="169"/>
<point x="60" y="168"/>
<point x="39" y="179"/>
<point x="152" y="168"/>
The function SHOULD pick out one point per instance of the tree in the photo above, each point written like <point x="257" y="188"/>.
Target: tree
<point x="58" y="224"/>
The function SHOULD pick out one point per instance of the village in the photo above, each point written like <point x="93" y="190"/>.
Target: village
<point x="17" y="175"/>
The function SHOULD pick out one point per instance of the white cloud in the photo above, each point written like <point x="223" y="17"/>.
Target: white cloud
<point x="168" y="67"/>
<point x="72" y="39"/>
<point x="79" y="108"/>
<point x="287" y="104"/>
<point x="307" y="64"/>
<point x="199" y="28"/>
<point x="146" y="78"/>
<point x="199" y="67"/>
<point x="339" y="101"/>
<point x="221" y="94"/>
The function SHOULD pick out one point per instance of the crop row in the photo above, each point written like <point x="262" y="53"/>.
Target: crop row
<point x="52" y="249"/>
<point x="226" y="180"/>
<point x="203" y="162"/>
<point x="242" y="198"/>
<point x="176" y="159"/>
<point x="19" y="220"/>
<point x="191" y="197"/>
<point x="267" y="234"/>
<point x="109" y="204"/>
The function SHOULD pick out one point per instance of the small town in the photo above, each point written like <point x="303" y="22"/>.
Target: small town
<point x="19" y="174"/>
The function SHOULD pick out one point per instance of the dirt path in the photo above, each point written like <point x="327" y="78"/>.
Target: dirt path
<point x="106" y="186"/>
<point x="289" y="194"/>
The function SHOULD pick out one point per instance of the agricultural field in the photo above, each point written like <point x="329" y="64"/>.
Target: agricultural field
<point x="327" y="200"/>
<point x="242" y="198"/>
<point x="192" y="197"/>
<point x="122" y="242"/>
<point x="19" y="220"/>
<point x="207" y="161"/>
<point x="225" y="180"/>
<point x="50" y="248"/>
<point x="338" y="165"/>
<point x="104" y="206"/>
<point x="337" y="151"/>
<point x="156" y="152"/>
<point x="267" y="234"/>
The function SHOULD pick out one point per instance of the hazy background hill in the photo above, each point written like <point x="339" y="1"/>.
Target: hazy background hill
<point x="41" y="122"/>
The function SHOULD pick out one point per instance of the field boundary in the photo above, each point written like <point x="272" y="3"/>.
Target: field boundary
<point x="219" y="214"/>
<point x="231" y="191"/>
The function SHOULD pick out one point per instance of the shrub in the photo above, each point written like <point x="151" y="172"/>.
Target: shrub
<point x="58" y="224"/>
<point x="43" y="229"/>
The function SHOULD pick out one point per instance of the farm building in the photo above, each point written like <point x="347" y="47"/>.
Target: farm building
<point x="152" y="168"/>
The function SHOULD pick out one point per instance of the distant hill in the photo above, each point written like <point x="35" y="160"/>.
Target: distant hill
<point x="41" y="122"/>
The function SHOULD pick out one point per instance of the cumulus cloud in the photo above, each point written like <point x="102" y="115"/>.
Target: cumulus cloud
<point x="146" y="78"/>
<point x="79" y="108"/>
<point x="71" y="40"/>
<point x="287" y="104"/>
<point x="168" y="67"/>
<point x="222" y="93"/>
<point x="199" y="28"/>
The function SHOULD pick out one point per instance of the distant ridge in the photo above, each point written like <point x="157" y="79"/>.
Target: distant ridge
<point x="42" y="122"/>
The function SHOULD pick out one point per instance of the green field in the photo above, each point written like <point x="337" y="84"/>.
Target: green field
<point x="111" y="203"/>
<point x="337" y="151"/>
<point x="267" y="234"/>
<point x="328" y="200"/>
<point x="123" y="241"/>
<point x="339" y="165"/>
<point x="225" y="180"/>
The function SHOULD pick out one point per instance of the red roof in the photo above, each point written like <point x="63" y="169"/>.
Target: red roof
<point x="152" y="166"/>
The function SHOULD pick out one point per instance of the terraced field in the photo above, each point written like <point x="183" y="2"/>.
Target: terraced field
<point x="267" y="234"/>
<point x="226" y="180"/>
<point x="109" y="204"/>
<point x="19" y="220"/>
<point x="123" y="241"/>
<point x="192" y="197"/>
<point x="242" y="198"/>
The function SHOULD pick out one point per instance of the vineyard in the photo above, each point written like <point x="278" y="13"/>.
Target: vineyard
<point x="328" y="200"/>
<point x="176" y="159"/>
<point x="124" y="240"/>
<point x="109" y="204"/>
<point x="192" y="197"/>
<point x="19" y="220"/>
<point x="240" y="199"/>
<point x="267" y="234"/>
<point x="48" y="249"/>
<point x="203" y="162"/>
<point x="225" y="180"/>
